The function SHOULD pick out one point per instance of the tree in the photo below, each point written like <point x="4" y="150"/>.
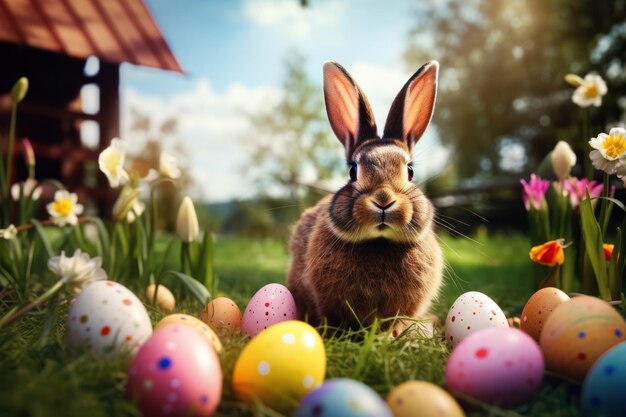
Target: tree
<point x="502" y="69"/>
<point x="293" y="147"/>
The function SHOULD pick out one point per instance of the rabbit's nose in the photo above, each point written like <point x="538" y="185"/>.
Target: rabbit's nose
<point x="383" y="206"/>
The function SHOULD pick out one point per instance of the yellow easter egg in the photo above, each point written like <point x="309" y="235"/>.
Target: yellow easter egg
<point x="164" y="297"/>
<point x="197" y="324"/>
<point x="421" y="398"/>
<point x="221" y="313"/>
<point x="577" y="333"/>
<point x="280" y="365"/>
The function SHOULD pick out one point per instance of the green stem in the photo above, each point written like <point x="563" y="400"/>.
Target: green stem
<point x="604" y="204"/>
<point x="6" y="320"/>
<point x="586" y="148"/>
<point x="10" y="150"/>
<point x="184" y="258"/>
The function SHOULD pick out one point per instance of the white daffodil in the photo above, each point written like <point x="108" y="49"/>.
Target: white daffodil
<point x="77" y="271"/>
<point x="64" y="209"/>
<point x="609" y="151"/>
<point x="111" y="162"/>
<point x="168" y="166"/>
<point x="590" y="91"/>
<point x="26" y="188"/>
<point x="8" y="233"/>
<point x="136" y="210"/>
<point x="187" y="221"/>
<point x="563" y="159"/>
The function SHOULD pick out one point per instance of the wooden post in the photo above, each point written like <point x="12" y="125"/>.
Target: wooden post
<point x="108" y="80"/>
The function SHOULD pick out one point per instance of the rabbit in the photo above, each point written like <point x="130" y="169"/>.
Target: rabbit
<point x="369" y="250"/>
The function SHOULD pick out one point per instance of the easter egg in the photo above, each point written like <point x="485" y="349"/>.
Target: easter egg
<point x="604" y="387"/>
<point x="343" y="397"/>
<point x="164" y="297"/>
<point x="421" y="398"/>
<point x="108" y="318"/>
<point x="471" y="312"/>
<point x="280" y="365"/>
<point x="270" y="305"/>
<point x="187" y="320"/>
<point x="221" y="313"/>
<point x="498" y="366"/>
<point x="538" y="308"/>
<point x="577" y="333"/>
<point x="175" y="373"/>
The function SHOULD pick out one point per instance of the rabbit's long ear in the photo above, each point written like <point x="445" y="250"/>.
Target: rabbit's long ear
<point x="413" y="107"/>
<point x="348" y="110"/>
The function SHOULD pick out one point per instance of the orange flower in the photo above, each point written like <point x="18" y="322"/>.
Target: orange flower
<point x="608" y="251"/>
<point x="548" y="254"/>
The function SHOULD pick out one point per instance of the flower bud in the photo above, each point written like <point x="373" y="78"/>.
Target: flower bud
<point x="29" y="153"/>
<point x="563" y="159"/>
<point x="19" y="90"/>
<point x="573" y="80"/>
<point x="187" y="222"/>
<point x="125" y="202"/>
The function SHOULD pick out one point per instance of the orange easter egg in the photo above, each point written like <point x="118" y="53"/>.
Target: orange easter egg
<point x="538" y="308"/>
<point x="221" y="313"/>
<point x="577" y="333"/>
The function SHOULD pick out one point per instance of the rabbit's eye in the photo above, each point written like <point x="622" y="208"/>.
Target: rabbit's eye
<point x="353" y="171"/>
<point x="410" y="171"/>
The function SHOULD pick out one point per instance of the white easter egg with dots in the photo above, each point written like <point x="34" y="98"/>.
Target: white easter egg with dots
<point x="107" y="317"/>
<point x="471" y="312"/>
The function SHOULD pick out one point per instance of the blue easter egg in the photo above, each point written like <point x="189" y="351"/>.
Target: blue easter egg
<point x="604" y="388"/>
<point x="343" y="397"/>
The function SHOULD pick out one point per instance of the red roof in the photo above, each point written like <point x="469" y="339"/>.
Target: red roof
<point x="113" y="30"/>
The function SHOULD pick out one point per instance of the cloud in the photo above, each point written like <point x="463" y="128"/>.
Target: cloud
<point x="211" y="126"/>
<point x="289" y="18"/>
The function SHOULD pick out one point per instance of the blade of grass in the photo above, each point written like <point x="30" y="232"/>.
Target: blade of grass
<point x="196" y="289"/>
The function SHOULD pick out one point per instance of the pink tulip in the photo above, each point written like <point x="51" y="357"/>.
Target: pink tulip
<point x="576" y="188"/>
<point x="534" y="192"/>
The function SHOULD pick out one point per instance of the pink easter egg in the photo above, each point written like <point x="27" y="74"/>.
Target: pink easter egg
<point x="175" y="373"/>
<point x="498" y="365"/>
<point x="270" y="305"/>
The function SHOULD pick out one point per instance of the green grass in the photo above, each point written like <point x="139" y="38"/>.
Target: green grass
<point x="47" y="381"/>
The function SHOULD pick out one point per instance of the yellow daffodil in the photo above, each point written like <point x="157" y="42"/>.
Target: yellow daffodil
<point x="77" y="271"/>
<point x="111" y="162"/>
<point x="187" y="222"/>
<point x="64" y="209"/>
<point x="168" y="166"/>
<point x="548" y="254"/>
<point x="590" y="91"/>
<point x="609" y="151"/>
<point x="563" y="159"/>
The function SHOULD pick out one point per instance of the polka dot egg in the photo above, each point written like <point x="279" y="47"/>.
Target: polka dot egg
<point x="107" y="317"/>
<point x="175" y="373"/>
<point x="270" y="305"/>
<point x="343" y="398"/>
<point x="424" y="399"/>
<point x="221" y="314"/>
<point x="280" y="365"/>
<point x="471" y="312"/>
<point x="577" y="333"/>
<point x="604" y="387"/>
<point x="538" y="308"/>
<point x="187" y="320"/>
<point x="498" y="366"/>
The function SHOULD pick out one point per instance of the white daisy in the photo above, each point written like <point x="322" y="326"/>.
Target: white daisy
<point x="590" y="92"/>
<point x="64" y="209"/>
<point x="111" y="162"/>
<point x="77" y="271"/>
<point x="609" y="151"/>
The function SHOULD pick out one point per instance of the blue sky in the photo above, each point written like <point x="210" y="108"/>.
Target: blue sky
<point x="233" y="53"/>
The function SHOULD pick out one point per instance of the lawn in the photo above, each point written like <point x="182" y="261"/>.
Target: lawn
<point x="47" y="381"/>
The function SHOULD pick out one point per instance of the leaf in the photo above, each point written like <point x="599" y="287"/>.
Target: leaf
<point x="614" y="201"/>
<point x="51" y="319"/>
<point x="196" y="289"/>
<point x="592" y="236"/>
<point x="103" y="235"/>
<point x="42" y="236"/>
<point x="205" y="270"/>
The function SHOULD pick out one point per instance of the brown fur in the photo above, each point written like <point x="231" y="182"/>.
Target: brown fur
<point x="369" y="250"/>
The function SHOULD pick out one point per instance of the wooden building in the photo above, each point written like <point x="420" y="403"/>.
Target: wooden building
<point x="66" y="47"/>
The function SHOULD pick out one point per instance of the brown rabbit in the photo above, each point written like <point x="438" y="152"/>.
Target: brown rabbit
<point x="370" y="247"/>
